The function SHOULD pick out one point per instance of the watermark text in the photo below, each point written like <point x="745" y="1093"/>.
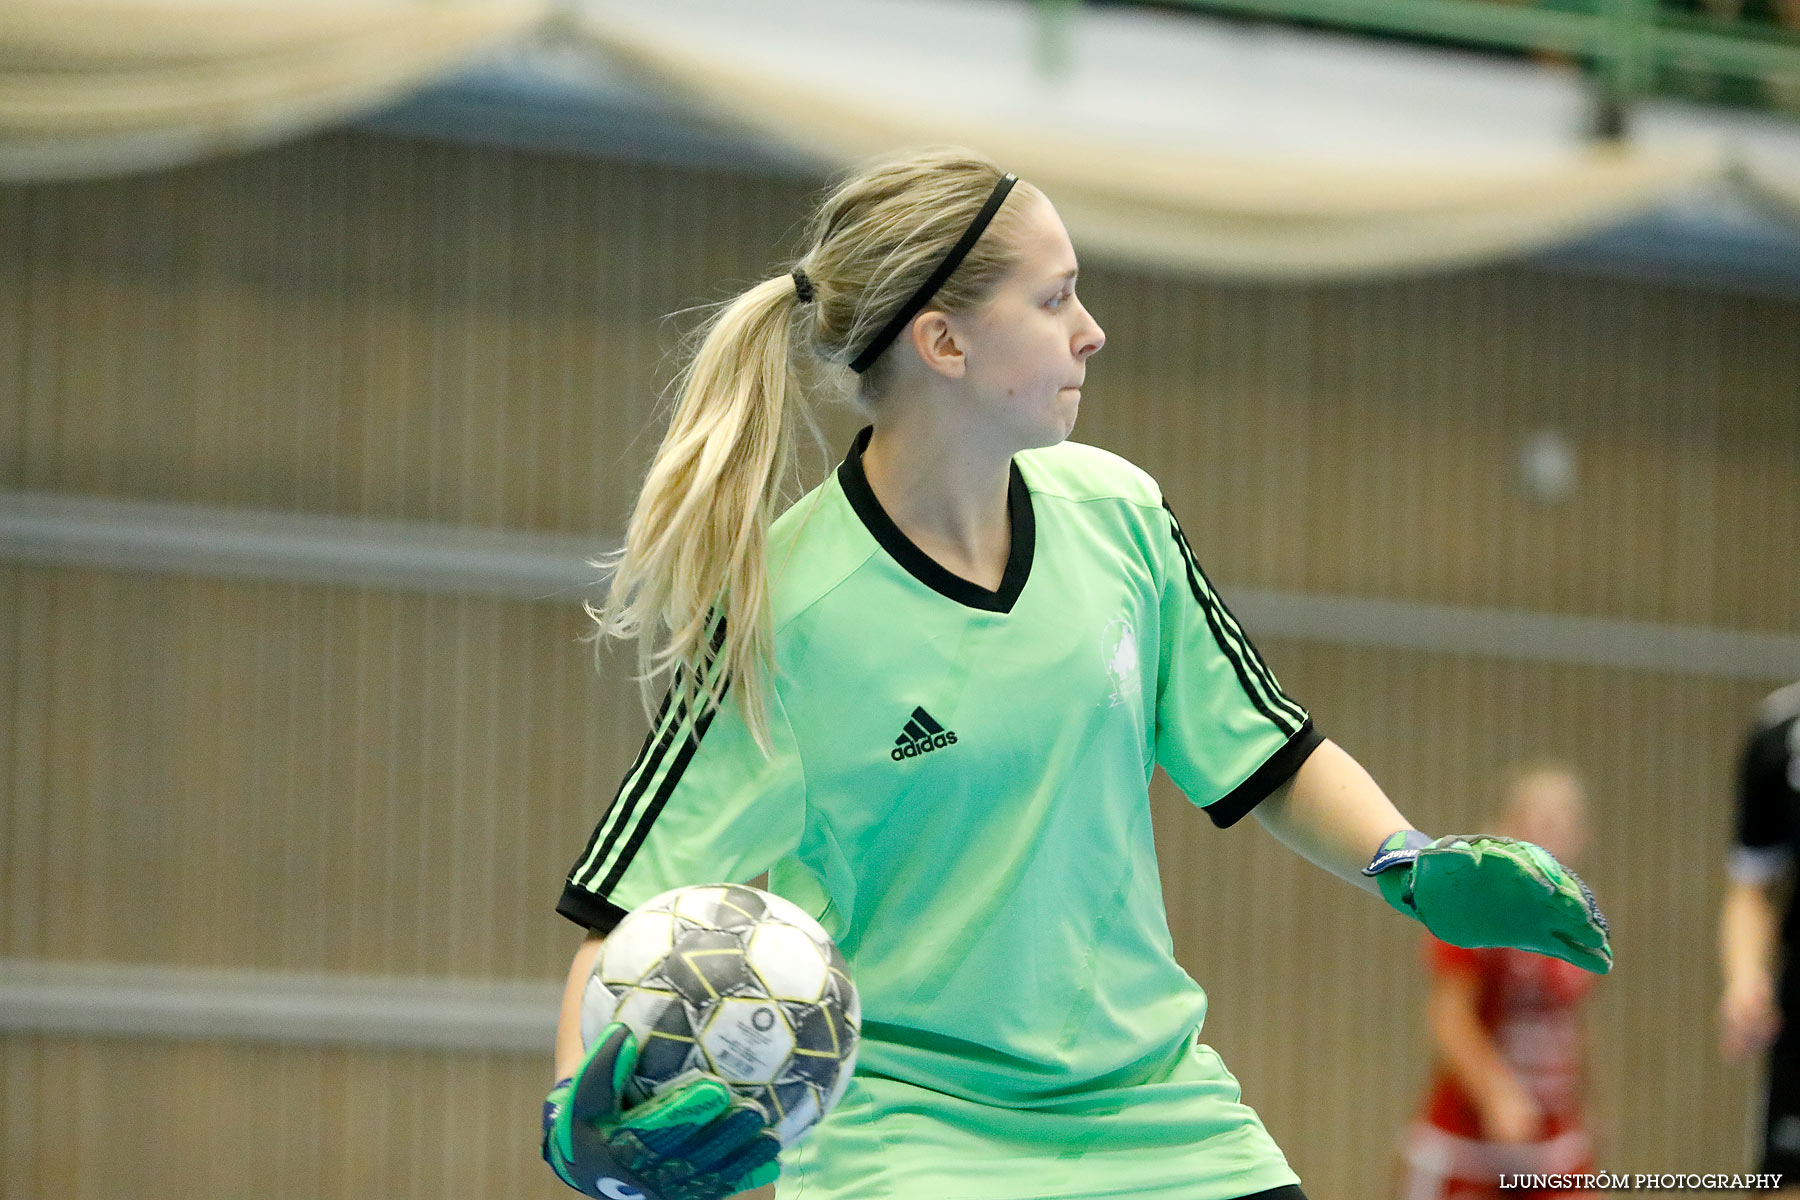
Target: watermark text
<point x="1606" y="1181"/>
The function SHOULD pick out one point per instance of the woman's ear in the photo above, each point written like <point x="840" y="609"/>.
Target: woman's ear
<point x="938" y="343"/>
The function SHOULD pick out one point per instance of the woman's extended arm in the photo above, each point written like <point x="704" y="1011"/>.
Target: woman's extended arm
<point x="1476" y="891"/>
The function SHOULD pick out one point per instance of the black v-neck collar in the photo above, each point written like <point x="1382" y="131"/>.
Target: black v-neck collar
<point x="922" y="566"/>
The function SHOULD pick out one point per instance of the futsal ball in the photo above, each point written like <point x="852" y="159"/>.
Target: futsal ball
<point x="733" y="982"/>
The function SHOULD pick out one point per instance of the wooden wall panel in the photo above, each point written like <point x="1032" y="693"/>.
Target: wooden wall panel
<point x="308" y="778"/>
<point x="363" y="326"/>
<point x="101" y="1119"/>
<point x="296" y="778"/>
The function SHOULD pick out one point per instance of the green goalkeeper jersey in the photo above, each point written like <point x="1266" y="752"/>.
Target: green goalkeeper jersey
<point x="959" y="791"/>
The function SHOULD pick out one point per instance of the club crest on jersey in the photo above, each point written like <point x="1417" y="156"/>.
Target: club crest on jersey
<point x="921" y="735"/>
<point x="1119" y="653"/>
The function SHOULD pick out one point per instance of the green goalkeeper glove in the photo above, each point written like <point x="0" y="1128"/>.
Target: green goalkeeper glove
<point x="1482" y="890"/>
<point x="693" y="1142"/>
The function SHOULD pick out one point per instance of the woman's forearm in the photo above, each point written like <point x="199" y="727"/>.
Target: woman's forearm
<point x="1332" y="814"/>
<point x="568" y="1022"/>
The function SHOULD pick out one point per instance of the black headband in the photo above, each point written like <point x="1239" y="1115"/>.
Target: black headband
<point x="929" y="288"/>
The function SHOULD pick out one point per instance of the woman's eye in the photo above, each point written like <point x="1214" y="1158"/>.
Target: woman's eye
<point x="1056" y="302"/>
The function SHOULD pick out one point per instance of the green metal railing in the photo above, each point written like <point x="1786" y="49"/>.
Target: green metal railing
<point x="1629" y="46"/>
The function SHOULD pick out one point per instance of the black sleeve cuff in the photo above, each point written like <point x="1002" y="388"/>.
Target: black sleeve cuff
<point x="588" y="910"/>
<point x="1280" y="768"/>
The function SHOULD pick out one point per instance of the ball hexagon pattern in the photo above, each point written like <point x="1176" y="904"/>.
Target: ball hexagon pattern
<point x="735" y="982"/>
<point x="631" y="952"/>
<point x="788" y="962"/>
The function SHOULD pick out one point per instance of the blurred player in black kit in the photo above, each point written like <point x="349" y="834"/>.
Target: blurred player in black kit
<point x="1760" y="925"/>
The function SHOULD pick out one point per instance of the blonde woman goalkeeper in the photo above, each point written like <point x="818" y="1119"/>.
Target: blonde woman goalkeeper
<point x="927" y="699"/>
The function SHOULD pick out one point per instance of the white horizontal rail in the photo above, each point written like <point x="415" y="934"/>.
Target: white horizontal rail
<point x="1509" y="633"/>
<point x="187" y="539"/>
<point x="61" y="530"/>
<point x="137" y="1001"/>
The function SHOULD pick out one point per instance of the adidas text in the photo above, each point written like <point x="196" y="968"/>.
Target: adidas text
<point x="936" y="741"/>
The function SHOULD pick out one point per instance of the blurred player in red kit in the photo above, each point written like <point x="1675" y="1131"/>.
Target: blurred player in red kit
<point x="1505" y="1097"/>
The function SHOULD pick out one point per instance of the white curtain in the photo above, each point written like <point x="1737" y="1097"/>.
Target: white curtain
<point x="1159" y="193"/>
<point x="1147" y="149"/>
<point x="97" y="87"/>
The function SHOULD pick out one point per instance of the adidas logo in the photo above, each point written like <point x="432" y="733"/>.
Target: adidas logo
<point x="922" y="735"/>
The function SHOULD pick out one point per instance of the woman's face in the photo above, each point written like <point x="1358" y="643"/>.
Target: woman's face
<point x="1026" y="349"/>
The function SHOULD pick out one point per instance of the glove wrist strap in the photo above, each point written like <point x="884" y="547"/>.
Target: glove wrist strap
<point x="1399" y="849"/>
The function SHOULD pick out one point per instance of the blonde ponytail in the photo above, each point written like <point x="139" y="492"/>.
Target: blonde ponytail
<point x="691" y="584"/>
<point x="694" y="548"/>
